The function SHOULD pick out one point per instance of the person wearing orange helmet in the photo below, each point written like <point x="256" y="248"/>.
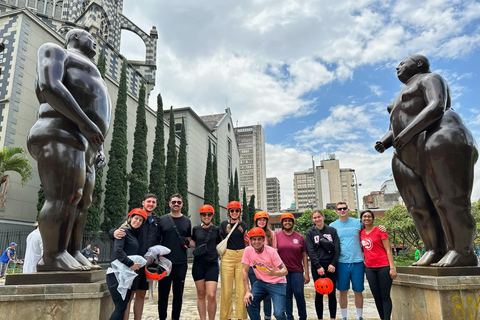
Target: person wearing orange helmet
<point x="291" y="248"/>
<point x="122" y="248"/>
<point x="231" y="264"/>
<point x="205" y="271"/>
<point x="323" y="249"/>
<point x="270" y="273"/>
<point x="261" y="220"/>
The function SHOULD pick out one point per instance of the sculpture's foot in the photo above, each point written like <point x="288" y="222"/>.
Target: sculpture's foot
<point x="62" y="262"/>
<point x="84" y="261"/>
<point x="456" y="259"/>
<point x="428" y="258"/>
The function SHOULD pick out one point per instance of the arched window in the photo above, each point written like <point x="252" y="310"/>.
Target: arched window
<point x="58" y="9"/>
<point x="104" y="26"/>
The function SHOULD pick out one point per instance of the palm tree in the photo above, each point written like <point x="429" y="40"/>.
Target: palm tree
<point x="13" y="159"/>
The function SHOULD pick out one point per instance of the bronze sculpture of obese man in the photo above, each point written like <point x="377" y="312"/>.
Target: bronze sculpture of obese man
<point x="433" y="164"/>
<point x="73" y="119"/>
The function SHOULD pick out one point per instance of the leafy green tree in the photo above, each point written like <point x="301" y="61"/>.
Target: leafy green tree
<point x="216" y="196"/>
<point x="139" y="173"/>
<point x="171" y="168"/>
<point x="236" y="190"/>
<point x="182" y="178"/>
<point x="157" y="167"/>
<point x="251" y="211"/>
<point x="116" y="186"/>
<point x="245" y="214"/>
<point x="208" y="188"/>
<point x="14" y="159"/>
<point x="476" y="216"/>
<point x="303" y="223"/>
<point x="400" y="227"/>
<point x="95" y="210"/>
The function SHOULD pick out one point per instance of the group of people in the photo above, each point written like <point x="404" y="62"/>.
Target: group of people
<point x="257" y="265"/>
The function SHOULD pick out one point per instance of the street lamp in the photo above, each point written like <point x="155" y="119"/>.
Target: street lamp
<point x="356" y="185"/>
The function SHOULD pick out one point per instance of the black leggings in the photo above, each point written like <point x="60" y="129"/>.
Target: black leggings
<point x="332" y="298"/>
<point x="380" y="284"/>
<point x="177" y="277"/>
<point x="120" y="304"/>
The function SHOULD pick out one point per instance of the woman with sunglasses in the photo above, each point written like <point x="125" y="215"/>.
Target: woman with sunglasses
<point x="231" y="264"/>
<point x="205" y="263"/>
<point x="379" y="266"/>
<point x="261" y="221"/>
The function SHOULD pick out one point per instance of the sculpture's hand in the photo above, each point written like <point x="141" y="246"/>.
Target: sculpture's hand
<point x="100" y="160"/>
<point x="379" y="147"/>
<point x="400" y="141"/>
<point x="92" y="133"/>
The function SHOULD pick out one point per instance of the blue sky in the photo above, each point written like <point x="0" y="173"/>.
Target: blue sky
<point x="317" y="75"/>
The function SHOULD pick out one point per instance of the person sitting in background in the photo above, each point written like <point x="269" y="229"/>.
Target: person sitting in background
<point x="96" y="253"/>
<point x="87" y="252"/>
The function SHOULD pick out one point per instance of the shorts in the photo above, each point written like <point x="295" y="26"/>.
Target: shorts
<point x="207" y="272"/>
<point x="351" y="271"/>
<point x="140" y="281"/>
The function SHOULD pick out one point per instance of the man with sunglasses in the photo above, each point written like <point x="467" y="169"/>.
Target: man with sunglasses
<point x="350" y="265"/>
<point x="176" y="233"/>
<point x="150" y="236"/>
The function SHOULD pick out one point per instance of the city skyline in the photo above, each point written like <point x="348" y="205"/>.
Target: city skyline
<point x="316" y="75"/>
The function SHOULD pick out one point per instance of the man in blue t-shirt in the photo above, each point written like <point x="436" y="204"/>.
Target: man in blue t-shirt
<point x="8" y="255"/>
<point x="350" y="263"/>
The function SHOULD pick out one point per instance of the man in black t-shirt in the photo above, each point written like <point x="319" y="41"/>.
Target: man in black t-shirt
<point x="176" y="231"/>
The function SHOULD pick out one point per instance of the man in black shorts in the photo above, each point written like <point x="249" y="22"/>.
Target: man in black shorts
<point x="176" y="231"/>
<point x="150" y="236"/>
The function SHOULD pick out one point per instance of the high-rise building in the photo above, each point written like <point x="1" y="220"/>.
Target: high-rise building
<point x="273" y="195"/>
<point x="252" y="175"/>
<point x="330" y="184"/>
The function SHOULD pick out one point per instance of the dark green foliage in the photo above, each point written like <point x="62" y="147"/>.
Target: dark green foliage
<point x="231" y="190"/>
<point x="251" y="211"/>
<point x="116" y="186"/>
<point x="102" y="64"/>
<point x="245" y="214"/>
<point x="41" y="199"/>
<point x="171" y="168"/>
<point x="236" y="190"/>
<point x="139" y="173"/>
<point x="157" y="167"/>
<point x="208" y="188"/>
<point x="216" y="196"/>
<point x="305" y="221"/>
<point x="400" y="227"/>
<point x="182" y="178"/>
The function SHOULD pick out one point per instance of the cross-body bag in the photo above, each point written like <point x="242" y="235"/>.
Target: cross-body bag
<point x="222" y="246"/>
<point x="182" y="240"/>
<point x="202" y="249"/>
<point x="326" y="244"/>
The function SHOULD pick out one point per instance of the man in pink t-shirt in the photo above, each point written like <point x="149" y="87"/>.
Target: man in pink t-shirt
<point x="270" y="272"/>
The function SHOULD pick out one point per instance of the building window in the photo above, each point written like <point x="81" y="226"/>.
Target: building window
<point x="229" y="146"/>
<point x="229" y="164"/>
<point x="178" y="127"/>
<point x="2" y="48"/>
<point x="104" y="26"/>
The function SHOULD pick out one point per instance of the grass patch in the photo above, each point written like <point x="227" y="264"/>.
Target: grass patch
<point x="404" y="260"/>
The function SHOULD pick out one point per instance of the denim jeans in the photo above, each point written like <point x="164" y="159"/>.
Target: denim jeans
<point x="295" y="288"/>
<point x="267" y="303"/>
<point x="260" y="290"/>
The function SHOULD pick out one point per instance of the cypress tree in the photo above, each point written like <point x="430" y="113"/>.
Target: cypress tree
<point x="171" y="168"/>
<point x="116" y="186"/>
<point x="216" y="196"/>
<point x="208" y="190"/>
<point x="157" y="167"/>
<point x="251" y="211"/>
<point x="95" y="210"/>
<point x="236" y="190"/>
<point x="182" y="178"/>
<point x="231" y="190"/>
<point x="41" y="199"/>
<point x="139" y="173"/>
<point x="245" y="213"/>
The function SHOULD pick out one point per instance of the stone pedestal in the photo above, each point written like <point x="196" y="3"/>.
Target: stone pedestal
<point x="75" y="301"/>
<point x="424" y="293"/>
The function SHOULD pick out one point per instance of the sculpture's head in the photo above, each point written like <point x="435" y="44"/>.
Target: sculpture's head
<point x="82" y="41"/>
<point x="411" y="66"/>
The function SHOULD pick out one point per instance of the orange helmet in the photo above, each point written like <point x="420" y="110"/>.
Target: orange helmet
<point x="256" y="232"/>
<point x="260" y="214"/>
<point x="155" y="272"/>
<point x="287" y="215"/>
<point x="234" y="205"/>
<point x="138" y="211"/>
<point x="206" y="208"/>
<point x="324" y="285"/>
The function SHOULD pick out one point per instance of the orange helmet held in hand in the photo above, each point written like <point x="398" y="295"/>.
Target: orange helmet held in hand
<point x="155" y="272"/>
<point x="324" y="285"/>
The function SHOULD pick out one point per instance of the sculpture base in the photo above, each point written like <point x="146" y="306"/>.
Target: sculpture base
<point x="455" y="295"/>
<point x="55" y="277"/>
<point x="56" y="301"/>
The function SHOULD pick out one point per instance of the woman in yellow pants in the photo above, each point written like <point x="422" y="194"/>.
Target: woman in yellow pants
<point x="231" y="264"/>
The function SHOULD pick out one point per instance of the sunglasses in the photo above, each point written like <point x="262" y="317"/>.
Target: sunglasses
<point x="234" y="210"/>
<point x="203" y="214"/>
<point x="342" y="209"/>
<point x="174" y="202"/>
